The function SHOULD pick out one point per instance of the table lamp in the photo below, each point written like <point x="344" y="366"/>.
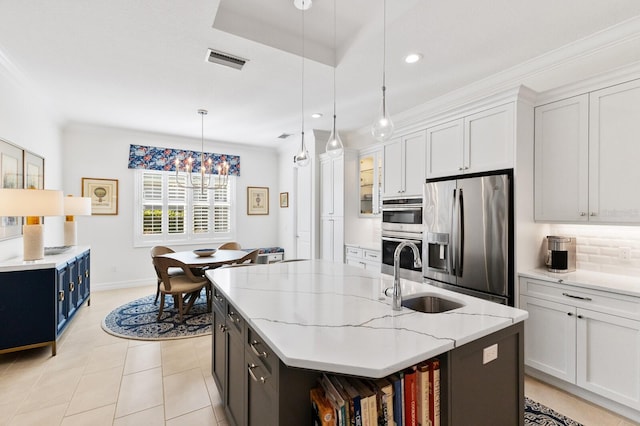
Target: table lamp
<point x="74" y="206"/>
<point x="32" y="203"/>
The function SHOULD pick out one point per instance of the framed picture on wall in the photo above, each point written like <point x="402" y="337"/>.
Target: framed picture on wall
<point x="103" y="193"/>
<point x="33" y="171"/>
<point x="284" y="199"/>
<point x="257" y="200"/>
<point x="11" y="177"/>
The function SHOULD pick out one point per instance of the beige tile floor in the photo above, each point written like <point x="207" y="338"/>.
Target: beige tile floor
<point x="97" y="379"/>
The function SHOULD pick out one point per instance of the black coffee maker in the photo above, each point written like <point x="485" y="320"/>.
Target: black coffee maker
<point x="561" y="254"/>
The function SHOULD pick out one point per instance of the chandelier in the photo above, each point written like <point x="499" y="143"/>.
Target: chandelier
<point x="207" y="180"/>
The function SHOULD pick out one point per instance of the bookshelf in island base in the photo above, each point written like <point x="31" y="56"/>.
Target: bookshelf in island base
<point x="41" y="297"/>
<point x="257" y="388"/>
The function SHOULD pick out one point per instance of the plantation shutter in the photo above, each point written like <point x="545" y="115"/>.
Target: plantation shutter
<point x="152" y="203"/>
<point x="222" y="210"/>
<point x="176" y="205"/>
<point x="201" y="211"/>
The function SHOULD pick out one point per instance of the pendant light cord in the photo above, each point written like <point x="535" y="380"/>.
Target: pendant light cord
<point x="384" y="56"/>
<point x="335" y="64"/>
<point x="302" y="82"/>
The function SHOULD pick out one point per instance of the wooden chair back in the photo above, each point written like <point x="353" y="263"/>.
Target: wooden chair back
<point x="162" y="265"/>
<point x="231" y="245"/>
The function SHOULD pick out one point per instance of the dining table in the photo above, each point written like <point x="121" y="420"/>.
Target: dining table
<point x="219" y="258"/>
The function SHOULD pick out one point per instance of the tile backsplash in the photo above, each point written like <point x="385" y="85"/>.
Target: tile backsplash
<point x="601" y="248"/>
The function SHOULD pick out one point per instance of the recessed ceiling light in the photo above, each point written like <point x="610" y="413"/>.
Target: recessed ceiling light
<point x="302" y="4"/>
<point x="412" y="58"/>
<point x="316" y="115"/>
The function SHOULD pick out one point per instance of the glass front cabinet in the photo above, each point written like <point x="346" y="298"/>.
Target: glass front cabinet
<point x="370" y="181"/>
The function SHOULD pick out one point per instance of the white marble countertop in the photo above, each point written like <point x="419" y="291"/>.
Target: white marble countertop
<point x="366" y="246"/>
<point x="52" y="261"/>
<point x="621" y="284"/>
<point x="331" y="317"/>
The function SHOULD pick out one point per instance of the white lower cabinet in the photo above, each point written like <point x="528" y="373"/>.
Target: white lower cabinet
<point x="586" y="337"/>
<point x="363" y="257"/>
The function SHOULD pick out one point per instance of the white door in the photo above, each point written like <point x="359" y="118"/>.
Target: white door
<point x="549" y="337"/>
<point x="614" y="151"/>
<point x="608" y="349"/>
<point x="562" y="160"/>
<point x="303" y="212"/>
<point x="414" y="162"/>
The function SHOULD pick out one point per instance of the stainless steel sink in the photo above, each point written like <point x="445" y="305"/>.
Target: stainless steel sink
<point x="430" y="304"/>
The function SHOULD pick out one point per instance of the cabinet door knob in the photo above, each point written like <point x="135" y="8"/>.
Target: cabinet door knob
<point x="61" y="296"/>
<point x="72" y="286"/>
<point x="461" y="168"/>
<point x="570" y="314"/>
<point x="583" y="214"/>
<point x="579" y="316"/>
<point x="466" y="167"/>
<point x="593" y="214"/>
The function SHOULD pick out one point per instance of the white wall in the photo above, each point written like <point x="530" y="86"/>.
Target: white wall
<point x="101" y="152"/>
<point x="25" y="121"/>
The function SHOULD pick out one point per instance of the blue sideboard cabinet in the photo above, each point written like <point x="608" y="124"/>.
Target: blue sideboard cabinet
<point x="41" y="297"/>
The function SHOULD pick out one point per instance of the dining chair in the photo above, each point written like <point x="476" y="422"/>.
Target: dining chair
<point x="157" y="251"/>
<point x="291" y="260"/>
<point x="249" y="259"/>
<point x="231" y="245"/>
<point x="183" y="287"/>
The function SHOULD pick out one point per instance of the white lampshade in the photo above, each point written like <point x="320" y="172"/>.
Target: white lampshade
<point x="77" y="206"/>
<point x="30" y="202"/>
<point x="33" y="203"/>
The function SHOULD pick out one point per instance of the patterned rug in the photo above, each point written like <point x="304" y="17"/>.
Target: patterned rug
<point x="138" y="320"/>
<point x="538" y="414"/>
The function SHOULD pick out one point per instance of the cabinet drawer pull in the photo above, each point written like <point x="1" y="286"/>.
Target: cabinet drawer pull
<point x="232" y="317"/>
<point x="72" y="286"/>
<point x="253" y="376"/>
<point x="255" y="351"/>
<point x="219" y="298"/>
<point x="588" y="299"/>
<point x="61" y="296"/>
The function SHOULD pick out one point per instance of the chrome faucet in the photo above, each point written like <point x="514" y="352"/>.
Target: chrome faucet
<point x="396" y="297"/>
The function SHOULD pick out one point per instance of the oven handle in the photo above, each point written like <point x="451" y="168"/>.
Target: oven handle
<point x="400" y="240"/>
<point x="400" y="208"/>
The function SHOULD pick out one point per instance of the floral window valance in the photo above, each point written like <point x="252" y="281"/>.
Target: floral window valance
<point x="154" y="158"/>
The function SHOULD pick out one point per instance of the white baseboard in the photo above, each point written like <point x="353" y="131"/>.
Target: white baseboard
<point x="115" y="285"/>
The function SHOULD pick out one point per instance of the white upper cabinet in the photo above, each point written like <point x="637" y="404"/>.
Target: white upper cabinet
<point x="586" y="157"/>
<point x="562" y="160"/>
<point x="370" y="183"/>
<point x="614" y="154"/>
<point x="445" y="148"/>
<point x="404" y="165"/>
<point x="476" y="143"/>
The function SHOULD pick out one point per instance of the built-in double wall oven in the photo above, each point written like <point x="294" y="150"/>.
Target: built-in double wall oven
<point x="401" y="221"/>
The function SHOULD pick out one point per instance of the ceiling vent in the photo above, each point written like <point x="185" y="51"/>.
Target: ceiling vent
<point x="285" y="135"/>
<point x="221" y="58"/>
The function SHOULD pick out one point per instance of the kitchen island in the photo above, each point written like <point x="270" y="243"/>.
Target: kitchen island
<point x="278" y="327"/>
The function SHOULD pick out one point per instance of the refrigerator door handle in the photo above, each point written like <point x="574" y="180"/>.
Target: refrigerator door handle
<point x="451" y="261"/>
<point x="460" y="242"/>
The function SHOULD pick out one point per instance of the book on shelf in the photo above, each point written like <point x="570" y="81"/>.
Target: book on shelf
<point x="355" y="408"/>
<point x="422" y="392"/>
<point x="335" y="399"/>
<point x="434" y="392"/>
<point x="410" y="401"/>
<point x="348" y="409"/>
<point x="396" y="382"/>
<point x="385" y="391"/>
<point x="323" y="413"/>
<point x="367" y="402"/>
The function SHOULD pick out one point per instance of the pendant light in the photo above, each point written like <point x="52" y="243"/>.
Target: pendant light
<point x="382" y="128"/>
<point x="302" y="157"/>
<point x="334" y="145"/>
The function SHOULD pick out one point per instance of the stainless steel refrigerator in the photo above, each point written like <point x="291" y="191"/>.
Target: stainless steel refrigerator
<point x="468" y="235"/>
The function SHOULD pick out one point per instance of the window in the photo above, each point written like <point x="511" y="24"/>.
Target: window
<point x="170" y="213"/>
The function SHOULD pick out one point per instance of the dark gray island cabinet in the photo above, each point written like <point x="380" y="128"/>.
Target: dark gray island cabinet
<point x="41" y="298"/>
<point x="481" y="380"/>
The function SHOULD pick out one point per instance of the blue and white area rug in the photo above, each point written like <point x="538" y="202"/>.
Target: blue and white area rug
<point x="139" y="320"/>
<point x="538" y="414"/>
